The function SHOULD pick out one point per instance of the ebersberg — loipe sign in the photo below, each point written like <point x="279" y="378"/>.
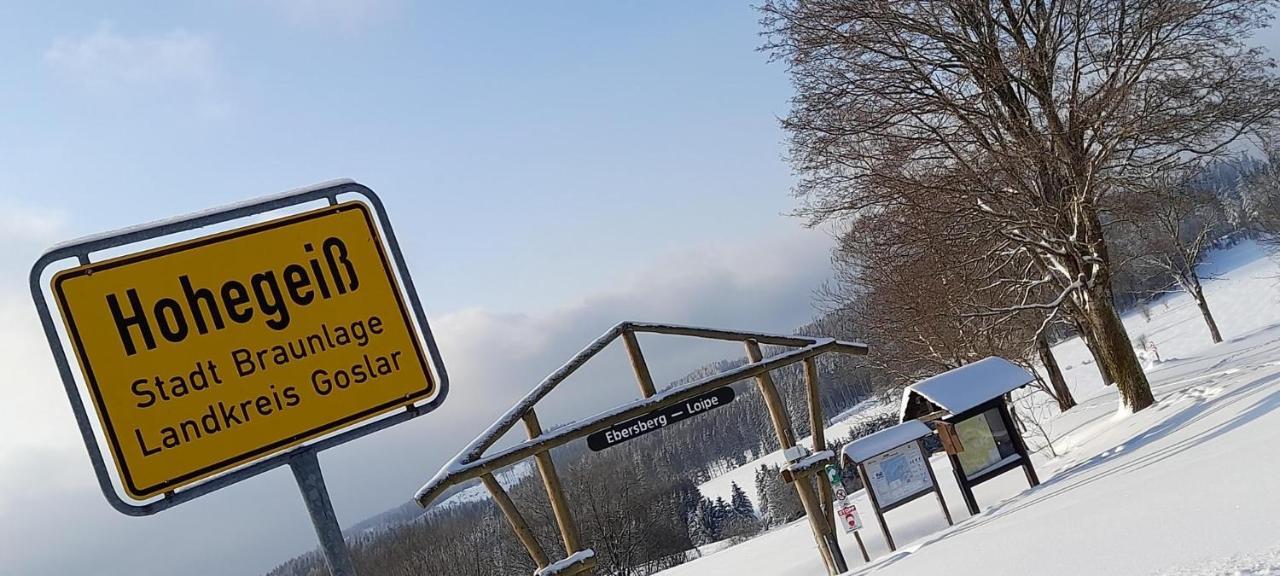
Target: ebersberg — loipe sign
<point x="658" y="419"/>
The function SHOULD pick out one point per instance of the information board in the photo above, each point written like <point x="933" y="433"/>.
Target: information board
<point x="212" y="353"/>
<point x="986" y="442"/>
<point x="898" y="474"/>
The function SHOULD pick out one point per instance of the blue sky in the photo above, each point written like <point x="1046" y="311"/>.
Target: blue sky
<point x="603" y="132"/>
<point x="552" y="168"/>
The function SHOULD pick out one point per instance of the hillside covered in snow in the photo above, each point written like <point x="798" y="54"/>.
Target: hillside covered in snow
<point x="1186" y="487"/>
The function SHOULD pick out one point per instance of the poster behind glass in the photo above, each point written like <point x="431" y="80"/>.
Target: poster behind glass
<point x="986" y="442"/>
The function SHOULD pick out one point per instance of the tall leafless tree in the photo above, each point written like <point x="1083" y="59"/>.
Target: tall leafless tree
<point x="927" y="299"/>
<point x="1177" y="221"/>
<point x="1023" y="115"/>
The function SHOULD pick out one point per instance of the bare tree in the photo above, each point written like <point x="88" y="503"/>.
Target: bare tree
<point x="1177" y="221"/>
<point x="1261" y="190"/>
<point x="1024" y="116"/>
<point x="928" y="304"/>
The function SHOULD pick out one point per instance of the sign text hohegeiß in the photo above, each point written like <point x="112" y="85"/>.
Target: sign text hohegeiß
<point x="211" y="353"/>
<point x="659" y="419"/>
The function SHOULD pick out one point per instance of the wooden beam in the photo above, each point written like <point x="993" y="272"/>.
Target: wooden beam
<point x="740" y="336"/>
<point x="638" y="364"/>
<point x="583" y="567"/>
<point x="772" y="401"/>
<point x="817" y="426"/>
<point x="555" y="491"/>
<point x="934" y="479"/>
<point x="518" y="524"/>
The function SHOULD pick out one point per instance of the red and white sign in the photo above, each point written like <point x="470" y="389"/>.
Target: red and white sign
<point x="849" y="517"/>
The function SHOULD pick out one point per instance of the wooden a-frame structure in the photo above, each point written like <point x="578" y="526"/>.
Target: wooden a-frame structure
<point x="473" y="462"/>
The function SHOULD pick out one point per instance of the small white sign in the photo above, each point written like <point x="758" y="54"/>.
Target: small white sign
<point x="849" y="517"/>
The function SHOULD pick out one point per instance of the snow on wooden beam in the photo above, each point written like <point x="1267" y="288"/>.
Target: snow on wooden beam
<point x="803" y="466"/>
<point x="575" y="563"/>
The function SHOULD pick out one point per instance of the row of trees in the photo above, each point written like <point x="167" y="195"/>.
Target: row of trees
<point x="981" y="153"/>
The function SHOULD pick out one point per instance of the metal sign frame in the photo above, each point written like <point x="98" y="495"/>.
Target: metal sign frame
<point x="303" y="458"/>
<point x="936" y="489"/>
<point x="1023" y="459"/>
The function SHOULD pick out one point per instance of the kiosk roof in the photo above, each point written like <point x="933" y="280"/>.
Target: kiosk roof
<point x="869" y="446"/>
<point x="970" y="385"/>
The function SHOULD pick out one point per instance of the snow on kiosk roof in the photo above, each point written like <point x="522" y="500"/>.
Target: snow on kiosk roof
<point x="965" y="387"/>
<point x="869" y="446"/>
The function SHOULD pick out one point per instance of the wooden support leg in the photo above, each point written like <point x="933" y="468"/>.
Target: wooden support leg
<point x="875" y="506"/>
<point x="786" y="438"/>
<point x="862" y="547"/>
<point x="966" y="491"/>
<point x="518" y="524"/>
<point x="817" y="426"/>
<point x="643" y="377"/>
<point x="934" y="479"/>
<point x="772" y="401"/>
<point x="1019" y="445"/>
<point x="816" y="522"/>
<point x="555" y="491"/>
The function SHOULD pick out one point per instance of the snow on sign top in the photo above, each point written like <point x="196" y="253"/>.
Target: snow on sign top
<point x="869" y="446"/>
<point x="970" y="385"/>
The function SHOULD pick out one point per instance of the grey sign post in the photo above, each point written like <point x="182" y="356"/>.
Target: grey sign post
<point x="302" y="460"/>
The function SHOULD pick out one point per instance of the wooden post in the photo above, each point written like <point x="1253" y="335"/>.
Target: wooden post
<point x="861" y="546"/>
<point x="934" y="479"/>
<point x="555" y="492"/>
<point x="816" y="522"/>
<point x="966" y="490"/>
<point x="638" y="364"/>
<point x="518" y="524"/>
<point x="786" y="438"/>
<point x="817" y="426"/>
<point x="1019" y="445"/>
<point x="772" y="401"/>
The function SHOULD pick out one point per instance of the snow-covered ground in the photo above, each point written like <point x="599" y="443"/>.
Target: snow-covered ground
<point x="1184" y="488"/>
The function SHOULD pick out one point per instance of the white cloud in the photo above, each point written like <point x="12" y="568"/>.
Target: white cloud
<point x="175" y="65"/>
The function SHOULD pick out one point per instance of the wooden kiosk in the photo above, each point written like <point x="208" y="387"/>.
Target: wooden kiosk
<point x="973" y="421"/>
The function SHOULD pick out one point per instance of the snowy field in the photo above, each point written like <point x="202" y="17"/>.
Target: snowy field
<point x="1185" y="488"/>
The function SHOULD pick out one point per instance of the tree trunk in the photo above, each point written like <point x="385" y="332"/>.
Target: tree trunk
<point x="1087" y="337"/>
<point x="1060" y="390"/>
<point x="1197" y="292"/>
<point x="1114" y="350"/>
